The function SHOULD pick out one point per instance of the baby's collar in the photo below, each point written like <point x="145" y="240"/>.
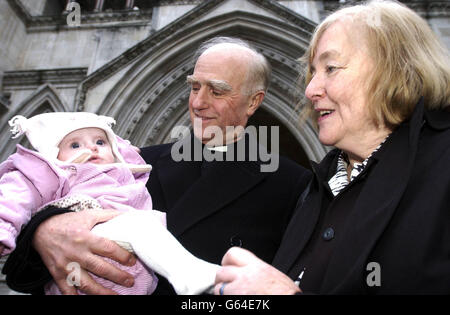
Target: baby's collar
<point x="83" y="156"/>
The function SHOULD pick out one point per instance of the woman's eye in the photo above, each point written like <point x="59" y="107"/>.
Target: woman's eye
<point x="75" y="145"/>
<point x="331" y="69"/>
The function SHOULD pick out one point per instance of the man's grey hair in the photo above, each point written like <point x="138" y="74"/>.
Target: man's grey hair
<point x="259" y="70"/>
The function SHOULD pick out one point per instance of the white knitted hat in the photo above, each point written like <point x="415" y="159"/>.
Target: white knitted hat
<point x="46" y="131"/>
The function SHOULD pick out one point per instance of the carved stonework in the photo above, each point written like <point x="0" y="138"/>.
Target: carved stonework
<point x="425" y="8"/>
<point x="150" y="118"/>
<point x="140" y="49"/>
<point x="88" y="19"/>
<point x="4" y="103"/>
<point x="302" y="23"/>
<point x="438" y="9"/>
<point x="179" y="2"/>
<point x="38" y="77"/>
<point x="45" y="98"/>
<point x="164" y="119"/>
<point x="148" y="101"/>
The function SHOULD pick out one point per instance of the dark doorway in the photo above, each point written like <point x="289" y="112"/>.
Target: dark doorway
<point x="289" y="146"/>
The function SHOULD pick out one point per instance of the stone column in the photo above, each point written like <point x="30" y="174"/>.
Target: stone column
<point x="67" y="3"/>
<point x="129" y="5"/>
<point x="99" y="5"/>
<point x="3" y="101"/>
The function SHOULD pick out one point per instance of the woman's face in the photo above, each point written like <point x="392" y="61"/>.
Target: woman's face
<point x="339" y="70"/>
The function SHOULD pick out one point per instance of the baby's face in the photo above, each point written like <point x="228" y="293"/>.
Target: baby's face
<point x="94" y="139"/>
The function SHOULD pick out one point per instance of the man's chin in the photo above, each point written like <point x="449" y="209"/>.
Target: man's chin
<point x="211" y="141"/>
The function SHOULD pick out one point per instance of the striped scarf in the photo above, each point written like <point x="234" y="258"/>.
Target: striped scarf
<point x="340" y="180"/>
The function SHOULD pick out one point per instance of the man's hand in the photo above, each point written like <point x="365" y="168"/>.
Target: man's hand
<point x="66" y="238"/>
<point x="243" y="273"/>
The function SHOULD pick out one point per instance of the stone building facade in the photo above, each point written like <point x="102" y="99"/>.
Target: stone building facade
<point x="129" y="59"/>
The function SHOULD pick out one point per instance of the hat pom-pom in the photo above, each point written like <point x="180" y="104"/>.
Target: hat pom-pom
<point x="18" y="124"/>
<point x="108" y="120"/>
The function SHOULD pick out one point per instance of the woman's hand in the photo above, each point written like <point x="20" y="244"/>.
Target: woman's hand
<point x="243" y="273"/>
<point x="66" y="238"/>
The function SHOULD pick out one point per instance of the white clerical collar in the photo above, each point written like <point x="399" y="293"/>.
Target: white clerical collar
<point x="222" y="148"/>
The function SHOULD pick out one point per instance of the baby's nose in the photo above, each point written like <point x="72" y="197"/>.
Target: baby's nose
<point x="93" y="147"/>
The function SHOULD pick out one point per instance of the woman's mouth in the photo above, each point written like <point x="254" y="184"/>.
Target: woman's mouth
<point x="323" y="114"/>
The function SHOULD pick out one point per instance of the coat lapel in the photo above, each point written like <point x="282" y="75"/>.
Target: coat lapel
<point x="192" y="196"/>
<point x="223" y="183"/>
<point x="298" y="232"/>
<point x="176" y="177"/>
<point x="304" y="220"/>
<point x="375" y="206"/>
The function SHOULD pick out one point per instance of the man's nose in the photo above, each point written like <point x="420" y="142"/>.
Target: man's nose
<point x="201" y="99"/>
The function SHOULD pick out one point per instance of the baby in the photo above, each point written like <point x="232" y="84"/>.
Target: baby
<point x="81" y="164"/>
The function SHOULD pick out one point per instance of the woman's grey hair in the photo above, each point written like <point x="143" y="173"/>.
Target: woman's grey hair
<point x="259" y="69"/>
<point x="410" y="61"/>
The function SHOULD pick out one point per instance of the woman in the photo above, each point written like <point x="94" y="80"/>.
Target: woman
<point x="376" y="219"/>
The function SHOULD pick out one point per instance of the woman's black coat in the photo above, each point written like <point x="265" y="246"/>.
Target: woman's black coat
<point x="399" y="220"/>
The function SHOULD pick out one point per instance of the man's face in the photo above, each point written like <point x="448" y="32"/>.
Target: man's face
<point x="218" y="97"/>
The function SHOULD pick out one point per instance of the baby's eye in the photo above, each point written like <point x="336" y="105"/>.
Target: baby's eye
<point x="100" y="142"/>
<point x="75" y="145"/>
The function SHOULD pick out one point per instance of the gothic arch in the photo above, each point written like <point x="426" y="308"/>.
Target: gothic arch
<point x="151" y="98"/>
<point x="44" y="99"/>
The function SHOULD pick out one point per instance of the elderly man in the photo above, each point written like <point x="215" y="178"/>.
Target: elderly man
<point x="210" y="205"/>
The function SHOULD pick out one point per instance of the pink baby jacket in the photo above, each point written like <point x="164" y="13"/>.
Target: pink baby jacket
<point x="28" y="182"/>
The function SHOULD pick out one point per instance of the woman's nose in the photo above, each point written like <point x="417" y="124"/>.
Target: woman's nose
<point x="315" y="89"/>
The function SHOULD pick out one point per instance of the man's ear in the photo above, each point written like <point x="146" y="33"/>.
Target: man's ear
<point x="255" y="101"/>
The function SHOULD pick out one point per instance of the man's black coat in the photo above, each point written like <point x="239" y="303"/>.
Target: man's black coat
<point x="212" y="206"/>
